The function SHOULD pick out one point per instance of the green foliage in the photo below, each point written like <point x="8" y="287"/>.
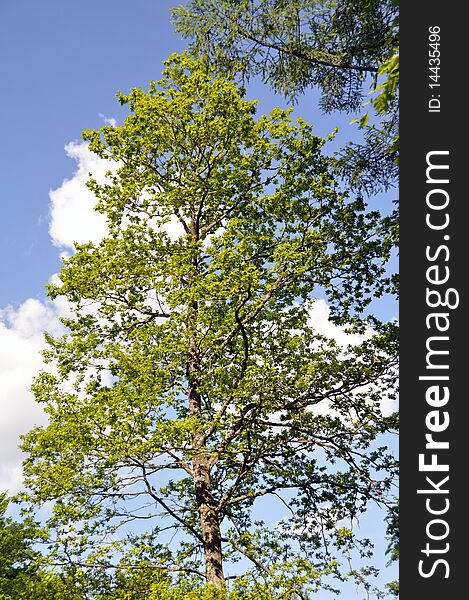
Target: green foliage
<point x="374" y="164"/>
<point x="338" y="47"/>
<point x="294" y="44"/>
<point x="392" y="550"/>
<point x="18" y="573"/>
<point x="15" y="551"/>
<point x="191" y="383"/>
<point x="392" y="532"/>
<point x="22" y="574"/>
<point x="388" y="89"/>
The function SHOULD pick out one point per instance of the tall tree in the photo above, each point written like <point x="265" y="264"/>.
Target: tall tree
<point x="192" y="387"/>
<point x="340" y="47"/>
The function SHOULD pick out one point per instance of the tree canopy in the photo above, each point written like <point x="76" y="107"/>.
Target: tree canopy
<point x="192" y="387"/>
<point x="343" y="48"/>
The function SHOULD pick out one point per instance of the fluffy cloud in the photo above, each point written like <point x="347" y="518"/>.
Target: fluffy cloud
<point x="319" y="319"/>
<point x="108" y="120"/>
<point x="21" y="339"/>
<point x="72" y="219"/>
<point x="72" y="214"/>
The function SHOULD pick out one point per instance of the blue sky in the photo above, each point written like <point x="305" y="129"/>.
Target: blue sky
<point x="61" y="64"/>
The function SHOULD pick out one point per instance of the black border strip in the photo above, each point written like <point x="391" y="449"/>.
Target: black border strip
<point x="433" y="257"/>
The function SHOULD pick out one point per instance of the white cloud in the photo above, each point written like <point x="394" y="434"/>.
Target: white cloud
<point x="108" y="120"/>
<point x="21" y="339"/>
<point x="72" y="219"/>
<point x="319" y="319"/>
<point x="72" y="214"/>
<point x="173" y="228"/>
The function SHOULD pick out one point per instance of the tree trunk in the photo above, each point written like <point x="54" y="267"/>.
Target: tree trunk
<point x="209" y="523"/>
<point x="208" y="515"/>
<point x="206" y="505"/>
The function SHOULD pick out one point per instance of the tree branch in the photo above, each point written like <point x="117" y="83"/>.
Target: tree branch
<point x="306" y="57"/>
<point x="152" y="492"/>
<point x="247" y="554"/>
